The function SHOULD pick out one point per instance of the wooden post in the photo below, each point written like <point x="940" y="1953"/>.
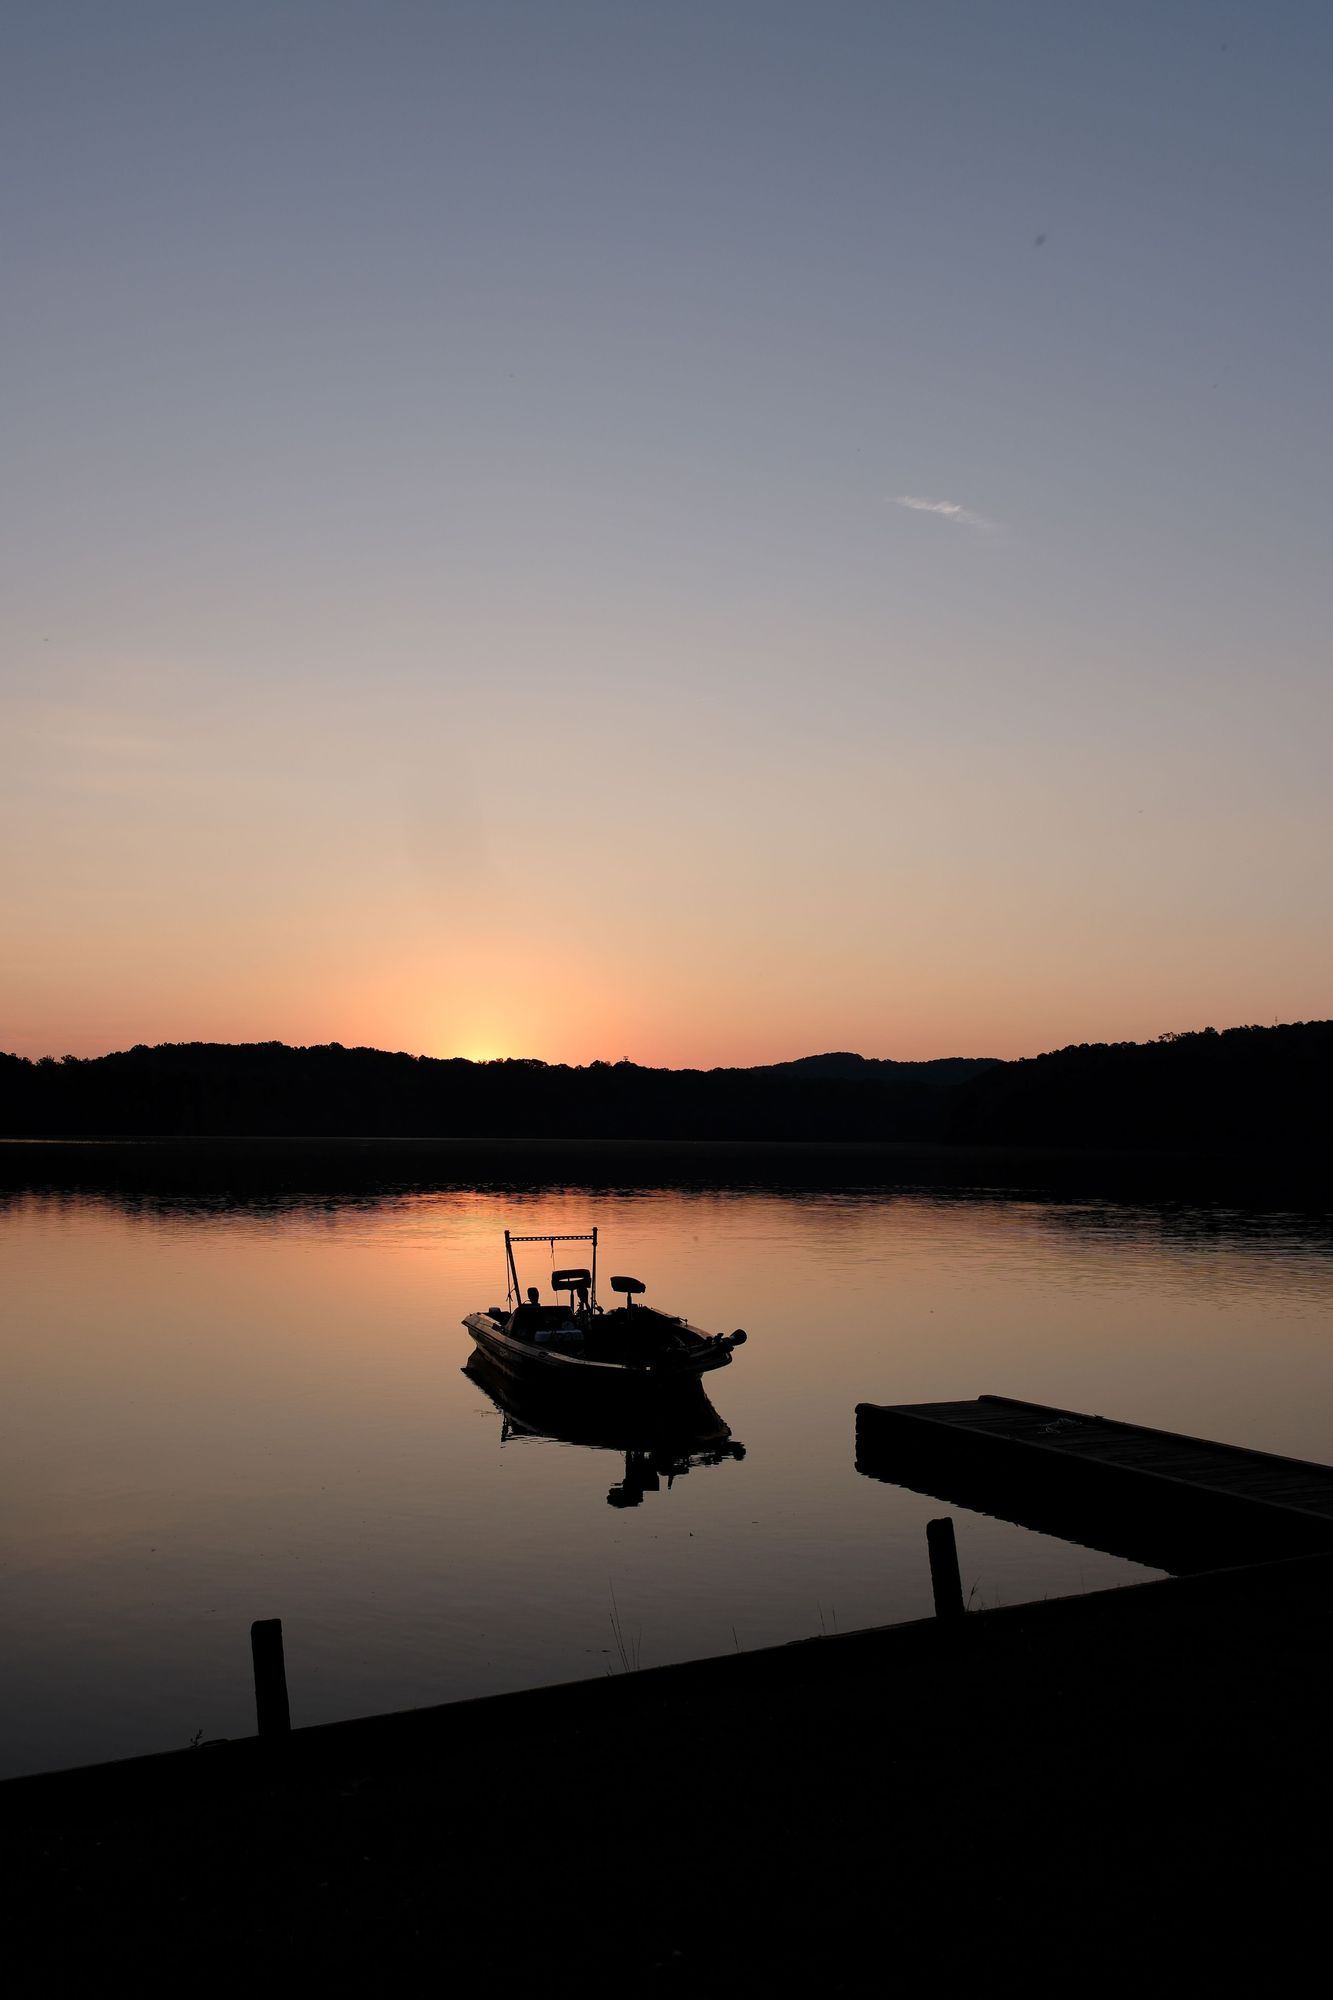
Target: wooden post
<point x="272" y="1713"/>
<point x="944" y="1578"/>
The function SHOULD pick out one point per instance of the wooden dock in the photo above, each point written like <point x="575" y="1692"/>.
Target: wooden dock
<point x="1157" y="1497"/>
<point x="1134" y="1773"/>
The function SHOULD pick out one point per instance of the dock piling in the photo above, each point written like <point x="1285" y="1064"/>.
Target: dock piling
<point x="272" y="1712"/>
<point x="944" y="1578"/>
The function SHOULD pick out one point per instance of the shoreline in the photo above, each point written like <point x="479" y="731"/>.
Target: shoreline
<point x="285" y="1164"/>
<point x="921" y="1793"/>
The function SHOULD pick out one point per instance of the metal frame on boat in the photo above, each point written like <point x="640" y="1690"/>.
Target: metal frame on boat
<point x="514" y="1291"/>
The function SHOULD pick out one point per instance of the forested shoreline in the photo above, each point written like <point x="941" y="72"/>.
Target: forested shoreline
<point x="1235" y="1088"/>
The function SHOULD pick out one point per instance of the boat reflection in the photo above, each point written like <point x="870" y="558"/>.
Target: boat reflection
<point x="660" y="1441"/>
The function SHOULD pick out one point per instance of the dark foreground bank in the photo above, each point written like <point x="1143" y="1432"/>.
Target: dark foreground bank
<point x="1066" y="1795"/>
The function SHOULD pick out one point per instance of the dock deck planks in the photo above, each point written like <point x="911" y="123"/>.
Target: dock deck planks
<point x="1160" y="1497"/>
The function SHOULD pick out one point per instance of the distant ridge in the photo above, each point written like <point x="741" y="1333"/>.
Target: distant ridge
<point x="1243" y="1087"/>
<point x="941" y="1069"/>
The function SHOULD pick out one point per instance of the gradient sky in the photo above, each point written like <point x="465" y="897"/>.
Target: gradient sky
<point x="465" y="581"/>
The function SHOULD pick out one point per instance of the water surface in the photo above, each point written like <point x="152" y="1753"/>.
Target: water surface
<point x="215" y="1413"/>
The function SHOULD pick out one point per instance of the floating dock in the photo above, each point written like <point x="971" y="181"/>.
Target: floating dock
<point x="1172" y="1502"/>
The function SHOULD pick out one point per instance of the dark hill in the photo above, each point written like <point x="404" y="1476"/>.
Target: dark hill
<point x="876" y="1069"/>
<point x="1243" y="1088"/>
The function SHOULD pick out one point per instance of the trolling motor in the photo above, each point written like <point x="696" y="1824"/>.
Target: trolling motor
<point x="633" y="1288"/>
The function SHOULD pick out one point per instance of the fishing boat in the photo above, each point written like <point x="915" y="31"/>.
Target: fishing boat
<point x="631" y="1349"/>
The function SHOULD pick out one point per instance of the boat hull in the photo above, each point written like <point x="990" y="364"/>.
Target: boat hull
<point x="555" y="1367"/>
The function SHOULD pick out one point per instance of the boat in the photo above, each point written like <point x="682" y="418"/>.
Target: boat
<point x="660" y="1440"/>
<point x="631" y="1349"/>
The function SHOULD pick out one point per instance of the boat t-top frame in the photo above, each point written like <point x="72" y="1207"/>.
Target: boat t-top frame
<point x="515" y="1290"/>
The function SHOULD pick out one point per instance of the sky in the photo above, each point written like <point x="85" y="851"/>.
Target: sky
<point x="702" y="533"/>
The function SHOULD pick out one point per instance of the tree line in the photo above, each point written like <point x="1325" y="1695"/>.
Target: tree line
<point x="1241" y="1087"/>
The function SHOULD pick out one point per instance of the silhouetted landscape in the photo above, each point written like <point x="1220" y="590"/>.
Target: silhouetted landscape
<point x="1240" y="1088"/>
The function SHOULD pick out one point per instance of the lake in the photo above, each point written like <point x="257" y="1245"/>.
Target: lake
<point x="219" y="1411"/>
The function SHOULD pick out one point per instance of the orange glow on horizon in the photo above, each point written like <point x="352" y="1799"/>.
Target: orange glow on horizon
<point x="910" y="902"/>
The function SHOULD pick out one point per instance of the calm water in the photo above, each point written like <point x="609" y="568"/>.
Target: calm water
<point x="213" y="1415"/>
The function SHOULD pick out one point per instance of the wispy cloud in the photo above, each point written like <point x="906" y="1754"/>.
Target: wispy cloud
<point x="948" y="510"/>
